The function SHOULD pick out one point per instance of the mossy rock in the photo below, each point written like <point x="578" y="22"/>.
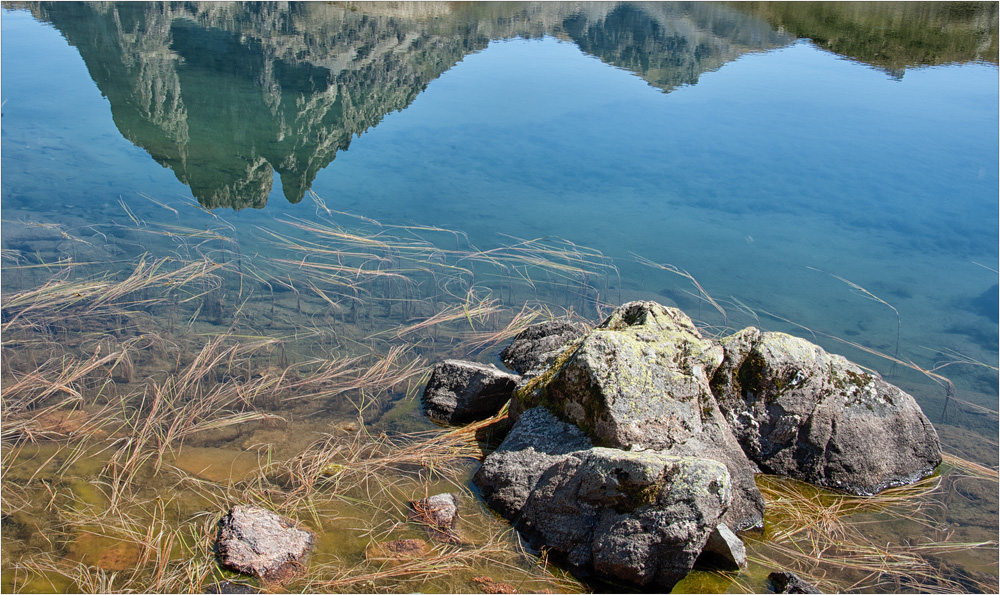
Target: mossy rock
<point x="800" y="411"/>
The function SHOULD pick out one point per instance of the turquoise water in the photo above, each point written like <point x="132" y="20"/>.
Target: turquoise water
<point x="795" y="184"/>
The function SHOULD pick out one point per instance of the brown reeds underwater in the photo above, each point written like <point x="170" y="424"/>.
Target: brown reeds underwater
<point x="139" y="402"/>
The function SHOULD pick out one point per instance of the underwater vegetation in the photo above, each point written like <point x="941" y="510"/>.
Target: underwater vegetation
<point x="155" y="375"/>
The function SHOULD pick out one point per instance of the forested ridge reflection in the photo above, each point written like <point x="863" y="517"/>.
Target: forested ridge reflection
<point x="892" y="36"/>
<point x="225" y="94"/>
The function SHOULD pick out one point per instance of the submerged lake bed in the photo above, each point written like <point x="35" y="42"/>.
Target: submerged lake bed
<point x="237" y="237"/>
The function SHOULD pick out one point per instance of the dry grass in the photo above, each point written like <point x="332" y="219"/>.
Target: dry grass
<point x="130" y="368"/>
<point x="125" y="369"/>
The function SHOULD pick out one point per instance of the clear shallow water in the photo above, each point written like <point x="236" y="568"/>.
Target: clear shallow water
<point x="776" y="172"/>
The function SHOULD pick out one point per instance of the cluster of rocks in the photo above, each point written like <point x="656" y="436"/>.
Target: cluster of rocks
<point x="635" y="444"/>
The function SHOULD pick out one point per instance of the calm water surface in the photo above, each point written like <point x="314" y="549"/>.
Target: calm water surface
<point x="811" y="175"/>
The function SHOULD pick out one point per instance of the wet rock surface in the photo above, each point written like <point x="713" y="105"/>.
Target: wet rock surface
<point x="641" y="518"/>
<point x="537" y="442"/>
<point x="724" y="550"/>
<point x="637" y="517"/>
<point x="800" y="411"/>
<point x="258" y="542"/>
<point x="459" y="391"/>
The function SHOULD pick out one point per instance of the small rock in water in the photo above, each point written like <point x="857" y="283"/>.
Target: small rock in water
<point x="438" y="514"/>
<point x="256" y="541"/>
<point x="491" y="586"/>
<point x="789" y="582"/>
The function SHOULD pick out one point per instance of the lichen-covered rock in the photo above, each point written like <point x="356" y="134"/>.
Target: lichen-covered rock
<point x="535" y="443"/>
<point x="800" y="411"/>
<point x="256" y="541"/>
<point x="638" y="517"/>
<point x="460" y="391"/>
<point x="537" y="346"/>
<point x="641" y="380"/>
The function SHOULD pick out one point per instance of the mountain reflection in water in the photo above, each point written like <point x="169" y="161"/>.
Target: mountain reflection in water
<point x="224" y="94"/>
<point x="794" y="182"/>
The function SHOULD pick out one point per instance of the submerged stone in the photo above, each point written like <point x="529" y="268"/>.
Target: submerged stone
<point x="231" y="588"/>
<point x="256" y="541"/>
<point x="789" y="582"/>
<point x="397" y="550"/>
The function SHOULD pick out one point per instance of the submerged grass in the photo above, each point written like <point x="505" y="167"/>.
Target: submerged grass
<point x="846" y="543"/>
<point x="310" y="360"/>
<point x="109" y="378"/>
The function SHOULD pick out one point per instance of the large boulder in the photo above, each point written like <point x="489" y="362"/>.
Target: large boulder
<point x="459" y="391"/>
<point x="640" y="380"/>
<point x="800" y="411"/>
<point x="637" y="517"/>
<point x="256" y="541"/>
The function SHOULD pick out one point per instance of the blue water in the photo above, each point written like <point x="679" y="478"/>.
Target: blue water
<point x="804" y="191"/>
<point x="774" y="165"/>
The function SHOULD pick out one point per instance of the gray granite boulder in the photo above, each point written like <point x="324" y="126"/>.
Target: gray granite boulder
<point x="536" y="443"/>
<point x="636" y="517"/>
<point x="640" y="380"/>
<point x="534" y="351"/>
<point x="459" y="391"/>
<point x="800" y="411"/>
<point x="256" y="541"/>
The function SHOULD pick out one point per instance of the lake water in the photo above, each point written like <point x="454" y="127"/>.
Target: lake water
<point x="827" y="170"/>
